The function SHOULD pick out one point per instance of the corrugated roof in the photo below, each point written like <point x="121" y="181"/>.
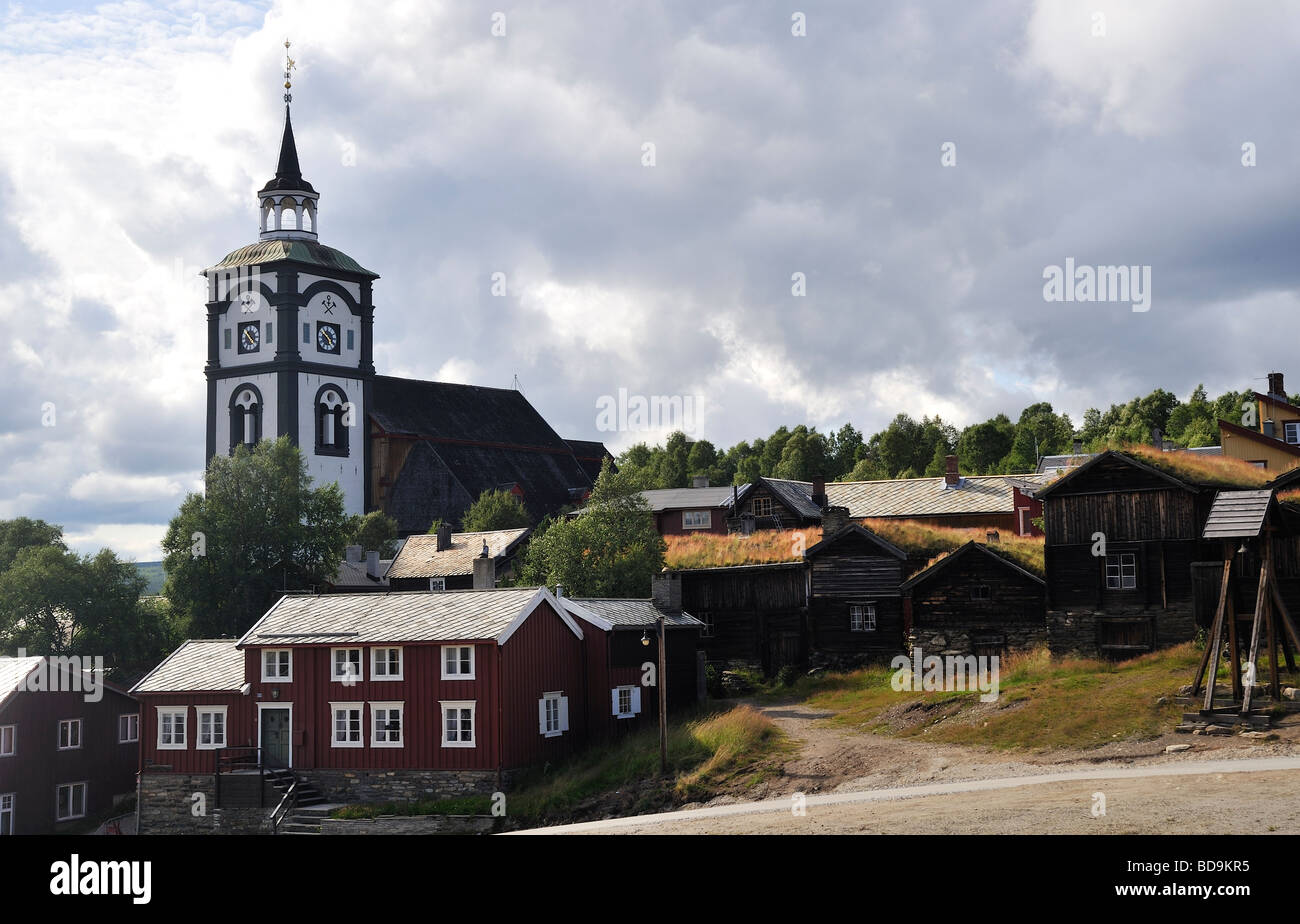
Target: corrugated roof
<point x="637" y="614"/>
<point x="302" y="251"/>
<point x="912" y="497"/>
<point x="420" y="557"/>
<point x="689" y="498"/>
<point x="1237" y="514"/>
<point x="211" y="664"/>
<point x="415" y="616"/>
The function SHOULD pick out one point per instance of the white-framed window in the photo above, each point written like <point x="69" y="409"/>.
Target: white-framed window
<point x="458" y="723"/>
<point x="8" y="740"/>
<point x="345" y="665"/>
<point x="1258" y="463"/>
<point x="385" y="664"/>
<point x="386" y="724"/>
<point x="212" y="727"/>
<point x="277" y="665"/>
<point x="347" y="728"/>
<point x="171" y="727"/>
<point x="553" y="714"/>
<point x="457" y="662"/>
<point x="1292" y="431"/>
<point x="6" y="813"/>
<point x="71" y="801"/>
<point x="69" y="734"/>
<point x="1121" y="571"/>
<point x="862" y="617"/>
<point x="762" y="506"/>
<point x="625" y="701"/>
<point x="437" y="583"/>
<point x="697" y="519"/>
<point x="128" y="728"/>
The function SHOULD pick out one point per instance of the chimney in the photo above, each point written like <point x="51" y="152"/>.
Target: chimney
<point x="700" y="481"/>
<point x="819" y="490"/>
<point x="485" y="553"/>
<point x="1275" y="385"/>
<point x="353" y="554"/>
<point x="372" y="564"/>
<point x="1158" y="438"/>
<point x="951" y="477"/>
<point x="992" y="536"/>
<point x="485" y="573"/>
<point x="1078" y="446"/>
<point x="1270" y="428"/>
<point x="444" y="537"/>
<point x="559" y="590"/>
<point x="834" y="519"/>
<point x="666" y="591"/>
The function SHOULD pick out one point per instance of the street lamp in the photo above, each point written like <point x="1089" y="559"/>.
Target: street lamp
<point x="661" y="681"/>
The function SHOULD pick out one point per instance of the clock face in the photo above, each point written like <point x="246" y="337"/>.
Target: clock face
<point x="327" y="337"/>
<point x="250" y="337"/>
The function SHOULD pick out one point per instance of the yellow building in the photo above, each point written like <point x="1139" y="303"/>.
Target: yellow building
<point x="1271" y="440"/>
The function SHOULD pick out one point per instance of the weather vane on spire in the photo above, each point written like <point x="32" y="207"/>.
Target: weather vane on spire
<point x="289" y="65"/>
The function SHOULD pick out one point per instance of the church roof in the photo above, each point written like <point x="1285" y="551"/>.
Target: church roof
<point x="300" y="251"/>
<point x="590" y="454"/>
<point x="288" y="175"/>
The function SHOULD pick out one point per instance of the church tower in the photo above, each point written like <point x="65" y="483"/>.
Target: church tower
<point x="290" y="341"/>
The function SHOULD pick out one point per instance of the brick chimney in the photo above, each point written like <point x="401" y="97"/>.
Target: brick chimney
<point x="1275" y="385"/>
<point x="700" y="481"/>
<point x="834" y="519"/>
<point x="444" y="537"/>
<point x="951" y="477"/>
<point x="1078" y="446"/>
<point x="372" y="564"/>
<point x="666" y="591"/>
<point x="485" y="573"/>
<point x="819" y="490"/>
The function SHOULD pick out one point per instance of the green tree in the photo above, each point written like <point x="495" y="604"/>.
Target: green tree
<point x="374" y="531"/>
<point x="844" y="449"/>
<point x="495" y="510"/>
<point x="22" y="533"/>
<point x="1039" y="432"/>
<point x="259" y="529"/>
<point x="610" y="550"/>
<point x="982" y="446"/>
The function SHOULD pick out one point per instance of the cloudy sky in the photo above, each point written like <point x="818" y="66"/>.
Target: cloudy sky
<point x="136" y="134"/>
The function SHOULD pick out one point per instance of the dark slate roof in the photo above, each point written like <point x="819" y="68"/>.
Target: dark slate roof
<point x="300" y="251"/>
<point x="480" y="438"/>
<point x="288" y="175"/>
<point x="207" y="664"/>
<point x="853" y="529"/>
<point x="1237" y="514"/>
<point x="590" y="454"/>
<point x="612" y="613"/>
<point x="945" y="560"/>
<point x="689" y="498"/>
<point x="796" y="495"/>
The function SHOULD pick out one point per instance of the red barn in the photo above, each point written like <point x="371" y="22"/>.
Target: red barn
<point x="69" y="745"/>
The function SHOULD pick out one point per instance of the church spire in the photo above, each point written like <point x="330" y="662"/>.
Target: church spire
<point x="287" y="202"/>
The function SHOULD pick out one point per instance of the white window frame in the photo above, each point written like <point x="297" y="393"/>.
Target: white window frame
<point x="1119" y="576"/>
<point x="360" y="709"/>
<point x="437" y="583"/>
<point x="387" y="707"/>
<point x="58" y="800"/>
<point x="459" y="704"/>
<point x="11" y="732"/>
<point x="376" y="676"/>
<point x="344" y="678"/>
<point x="9" y="810"/>
<point x="553" y="725"/>
<point x="697" y="519"/>
<point x="200" y="711"/>
<point x="1291" y="432"/>
<point x="458" y="674"/>
<point x="132" y="733"/>
<point x="184" y="713"/>
<point x="862" y="617"/>
<point x="634" y="701"/>
<point x="277" y="677"/>
<point x="70" y="724"/>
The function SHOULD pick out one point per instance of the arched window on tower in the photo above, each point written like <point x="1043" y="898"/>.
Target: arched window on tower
<point x="308" y="217"/>
<point x="288" y="215"/>
<point x="268" y="215"/>
<point x="245" y="417"/>
<point x="333" y="416"/>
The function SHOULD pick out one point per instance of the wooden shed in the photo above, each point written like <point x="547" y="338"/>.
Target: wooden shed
<point x="855" y="610"/>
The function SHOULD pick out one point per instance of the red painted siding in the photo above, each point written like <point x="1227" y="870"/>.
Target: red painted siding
<point x="240" y="729"/>
<point x="669" y="522"/>
<point x="38" y="766"/>
<point x="543" y="656"/>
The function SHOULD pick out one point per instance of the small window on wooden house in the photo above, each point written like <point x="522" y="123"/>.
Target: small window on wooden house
<point x="1258" y="463"/>
<point x="346" y="666"/>
<point x="386" y="727"/>
<point x="697" y="519"/>
<point x="212" y="727"/>
<point x="1292" y="430"/>
<point x="981" y="593"/>
<point x="69" y="734"/>
<point x="128" y="728"/>
<point x="347" y="725"/>
<point x="437" y="583"/>
<point x="862" y="617"/>
<point x="7" y="813"/>
<point x="552" y="714"/>
<point x="1121" y="571"/>
<point x="71" y="801"/>
<point x="457" y="662"/>
<point x="626" y="701"/>
<point x="8" y="740"/>
<point x="762" y="506"/>
<point x="707" y="619"/>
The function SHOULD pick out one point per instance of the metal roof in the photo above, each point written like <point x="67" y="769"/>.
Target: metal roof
<point x="302" y="251"/>
<point x="13" y="670"/>
<point x="1237" y="514"/>
<point x="205" y="664"/>
<point x="354" y="574"/>
<point x="413" y="616"/>
<point x="912" y="497"/>
<point x="621" y="613"/>
<point x="689" y="498"/>
<point x="420" y="557"/>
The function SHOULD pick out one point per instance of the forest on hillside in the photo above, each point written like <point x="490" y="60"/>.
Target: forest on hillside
<point x="910" y="448"/>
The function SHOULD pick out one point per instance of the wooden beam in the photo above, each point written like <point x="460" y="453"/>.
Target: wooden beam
<point x="1164" y="591"/>
<point x="1253" y="657"/>
<point x="1274" y="685"/>
<point x="1287" y="623"/>
<point x="1216" y="629"/>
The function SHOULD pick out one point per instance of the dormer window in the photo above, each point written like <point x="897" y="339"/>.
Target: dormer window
<point x="332" y="421"/>
<point x="245" y="417"/>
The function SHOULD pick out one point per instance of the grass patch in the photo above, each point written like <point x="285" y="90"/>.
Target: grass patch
<point x="764" y="547"/>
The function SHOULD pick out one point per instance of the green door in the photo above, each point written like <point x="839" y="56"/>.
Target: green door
<point x="275" y="737"/>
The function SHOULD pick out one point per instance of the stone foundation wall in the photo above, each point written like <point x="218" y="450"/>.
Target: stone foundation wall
<point x="403" y="824"/>
<point x="958" y="639"/>
<point x="167" y="805"/>
<point x="402" y="785"/>
<point x="1076" y="631"/>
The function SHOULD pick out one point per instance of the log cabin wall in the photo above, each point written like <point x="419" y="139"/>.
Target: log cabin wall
<point x="952" y="614"/>
<point x="756" y="615"/>
<point x="854" y="571"/>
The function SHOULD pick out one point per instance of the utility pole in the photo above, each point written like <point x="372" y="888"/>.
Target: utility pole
<point x="663" y="696"/>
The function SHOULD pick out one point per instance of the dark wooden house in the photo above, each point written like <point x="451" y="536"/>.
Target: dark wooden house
<point x="974" y="600"/>
<point x="69" y="745"/>
<point x="752" y="615"/>
<point x="778" y="503"/>
<point x="1123" y="540"/>
<point x="455" y="561"/>
<point x="855" y="604"/>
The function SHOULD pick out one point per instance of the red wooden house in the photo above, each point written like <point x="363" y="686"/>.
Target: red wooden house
<point x="69" y="745"/>
<point x="380" y="696"/>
